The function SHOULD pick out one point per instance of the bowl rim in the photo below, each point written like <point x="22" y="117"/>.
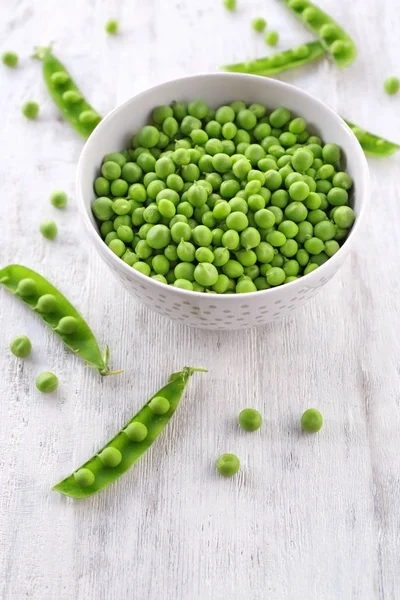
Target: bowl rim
<point x="132" y="273"/>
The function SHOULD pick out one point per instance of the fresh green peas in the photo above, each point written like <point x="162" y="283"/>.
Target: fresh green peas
<point x="342" y="180"/>
<point x="148" y="136"/>
<point x="259" y="24"/>
<point x="230" y="5"/>
<point x="337" y="196"/>
<point x="311" y="420"/>
<point x="326" y="230"/>
<point x="46" y="304"/>
<point x="228" y="465"/>
<point x="331" y="153"/>
<point x="10" y="59"/>
<point x="245" y="286"/>
<point x="84" y="478"/>
<point x="206" y="274"/>
<point x="30" y="110"/>
<point x="46" y="382"/>
<point x="59" y="199"/>
<point x="246" y="119"/>
<point x="392" y="85"/>
<point x="231" y="184"/>
<point x="279" y="117"/>
<point x="111" y="27"/>
<point x="289" y="228"/>
<point x="344" y="217"/>
<point x="302" y="160"/>
<point x="185" y="271"/>
<point x="314" y="245"/>
<point x="276" y="276"/>
<point x="272" y="38"/>
<point x="48" y="229"/>
<point x="21" y="346"/>
<point x="233" y="269"/>
<point x="250" y="419"/>
<point x="159" y="405"/>
<point x="237" y="221"/>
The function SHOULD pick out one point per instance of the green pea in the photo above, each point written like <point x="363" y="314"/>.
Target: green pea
<point x="21" y="346"/>
<point x="206" y="274"/>
<point x="250" y="419"/>
<point x="84" y="477"/>
<point x="136" y="432"/>
<point x="230" y="5"/>
<point x="59" y="199"/>
<point x="110" y="457"/>
<point x="10" y="59"/>
<point x="259" y="24"/>
<point x="275" y="276"/>
<point x="46" y="382"/>
<point x="46" y="304"/>
<point x="48" y="229"/>
<point x="392" y="85"/>
<point x="67" y="325"/>
<point x="159" y="405"/>
<point x="228" y="465"/>
<point x="311" y="420"/>
<point x="30" y="110"/>
<point x="272" y="38"/>
<point x="344" y="217"/>
<point x="111" y="27"/>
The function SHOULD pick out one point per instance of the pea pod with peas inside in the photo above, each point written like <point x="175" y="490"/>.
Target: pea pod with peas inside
<point x="65" y="93"/>
<point x="55" y="310"/>
<point x="373" y="144"/>
<point x="281" y="61"/>
<point x="336" y="41"/>
<point x="130" y="443"/>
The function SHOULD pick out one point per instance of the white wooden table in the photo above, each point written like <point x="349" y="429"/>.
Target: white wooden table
<point x="309" y="517"/>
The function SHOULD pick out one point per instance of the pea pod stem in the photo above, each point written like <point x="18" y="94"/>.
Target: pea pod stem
<point x="81" y="340"/>
<point x="336" y="41"/>
<point x="373" y="145"/>
<point x="129" y="451"/>
<point x="281" y="61"/>
<point x="66" y="94"/>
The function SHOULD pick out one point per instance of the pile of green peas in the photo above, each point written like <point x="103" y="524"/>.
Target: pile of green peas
<point x="231" y="200"/>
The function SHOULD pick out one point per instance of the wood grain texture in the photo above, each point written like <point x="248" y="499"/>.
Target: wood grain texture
<point x="309" y="517"/>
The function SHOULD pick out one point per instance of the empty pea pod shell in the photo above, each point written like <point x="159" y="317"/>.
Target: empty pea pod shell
<point x="373" y="144"/>
<point x="281" y="61"/>
<point x="116" y="457"/>
<point x="336" y="41"/>
<point x="66" y="94"/>
<point x="55" y="310"/>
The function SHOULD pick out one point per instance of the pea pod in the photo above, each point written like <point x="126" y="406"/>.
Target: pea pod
<point x="281" y="61"/>
<point x="66" y="93"/>
<point x="116" y="457"/>
<point x="55" y="310"/>
<point x="373" y="144"/>
<point x="333" y="37"/>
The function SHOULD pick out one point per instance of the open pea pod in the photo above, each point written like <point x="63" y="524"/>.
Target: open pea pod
<point x="66" y="94"/>
<point x="116" y="457"/>
<point x="373" y="144"/>
<point x="336" y="41"/>
<point x="281" y="61"/>
<point x="55" y="310"/>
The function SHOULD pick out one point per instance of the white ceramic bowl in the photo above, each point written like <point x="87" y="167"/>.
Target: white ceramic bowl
<point x="213" y="311"/>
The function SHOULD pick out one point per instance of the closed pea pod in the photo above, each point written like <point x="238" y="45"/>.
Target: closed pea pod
<point x="334" y="39"/>
<point x="281" y="61"/>
<point x="373" y="144"/>
<point x="66" y="94"/>
<point x="130" y="443"/>
<point x="55" y="310"/>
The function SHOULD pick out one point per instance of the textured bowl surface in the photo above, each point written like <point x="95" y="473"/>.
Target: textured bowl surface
<point x="214" y="311"/>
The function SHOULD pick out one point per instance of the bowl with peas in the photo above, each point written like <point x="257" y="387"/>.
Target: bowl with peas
<point x="224" y="201"/>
